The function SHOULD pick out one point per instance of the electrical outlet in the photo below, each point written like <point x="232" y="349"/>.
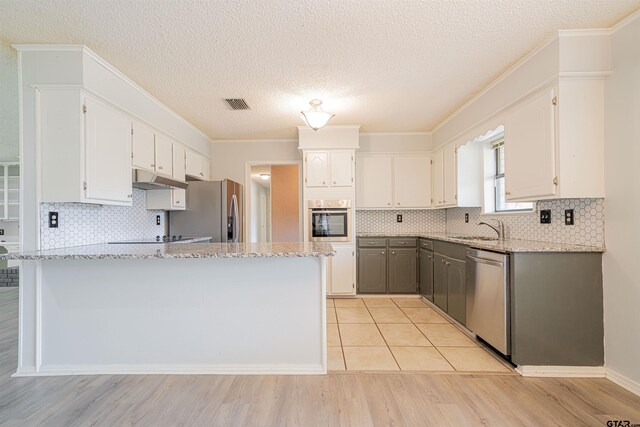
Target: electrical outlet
<point x="466" y="217"/>
<point x="157" y="219"/>
<point x="568" y="217"/>
<point x="399" y="218"/>
<point x="54" y="219"/>
<point x="545" y="216"/>
<point x="1" y="231"/>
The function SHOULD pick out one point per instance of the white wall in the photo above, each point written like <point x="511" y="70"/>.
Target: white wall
<point x="622" y="206"/>
<point x="394" y="142"/>
<point x="9" y="127"/>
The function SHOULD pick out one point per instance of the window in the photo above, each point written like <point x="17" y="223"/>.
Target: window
<point x="501" y="204"/>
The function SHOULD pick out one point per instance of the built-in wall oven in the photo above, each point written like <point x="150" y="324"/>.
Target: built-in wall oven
<point x="329" y="220"/>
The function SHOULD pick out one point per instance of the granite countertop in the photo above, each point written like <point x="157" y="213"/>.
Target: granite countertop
<point x="182" y="250"/>
<point x="507" y="245"/>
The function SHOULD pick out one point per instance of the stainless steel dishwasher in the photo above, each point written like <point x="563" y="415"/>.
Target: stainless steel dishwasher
<point x="488" y="308"/>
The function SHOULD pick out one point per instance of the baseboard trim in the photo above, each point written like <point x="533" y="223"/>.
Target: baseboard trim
<point x="562" y="371"/>
<point x="624" y="382"/>
<point x="47" y="371"/>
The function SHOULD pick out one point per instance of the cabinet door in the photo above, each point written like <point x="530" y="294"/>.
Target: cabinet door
<point x="341" y="165"/>
<point x="412" y="181"/>
<point x="342" y="271"/>
<point x="426" y="274"/>
<point x="164" y="156"/>
<point x="317" y="172"/>
<point x="179" y="170"/>
<point x="456" y="289"/>
<point x="437" y="176"/>
<point x="178" y="198"/>
<point x="449" y="184"/>
<point x="440" y="281"/>
<point x="372" y="271"/>
<point x="205" y="169"/>
<point x="143" y="143"/>
<point x="529" y="148"/>
<point x="193" y="164"/>
<point x="374" y="182"/>
<point x="402" y="271"/>
<point x="107" y="153"/>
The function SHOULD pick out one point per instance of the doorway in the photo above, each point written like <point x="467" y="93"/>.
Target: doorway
<point x="274" y="203"/>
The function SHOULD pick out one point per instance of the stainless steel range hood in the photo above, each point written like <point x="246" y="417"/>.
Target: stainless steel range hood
<point x="146" y="180"/>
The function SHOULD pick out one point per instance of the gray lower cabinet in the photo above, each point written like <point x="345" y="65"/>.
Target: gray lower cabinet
<point x="402" y="271"/>
<point x="440" y="281"/>
<point x="372" y="270"/>
<point x="387" y="265"/>
<point x="456" y="289"/>
<point x="425" y="263"/>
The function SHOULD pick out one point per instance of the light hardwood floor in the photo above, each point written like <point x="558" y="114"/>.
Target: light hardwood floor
<point x="356" y="399"/>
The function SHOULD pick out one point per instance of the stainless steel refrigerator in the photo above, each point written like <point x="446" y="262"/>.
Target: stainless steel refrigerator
<point x="214" y="208"/>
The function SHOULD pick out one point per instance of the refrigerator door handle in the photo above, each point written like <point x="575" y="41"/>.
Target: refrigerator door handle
<point x="235" y="214"/>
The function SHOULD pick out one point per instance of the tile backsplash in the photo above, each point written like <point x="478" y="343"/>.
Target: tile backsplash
<point x="588" y="228"/>
<point x="413" y="221"/>
<point x="83" y="224"/>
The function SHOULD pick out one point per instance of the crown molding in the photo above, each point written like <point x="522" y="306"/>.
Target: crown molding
<point x="110" y="68"/>
<point x="399" y="133"/>
<point x="546" y="42"/>
<point x="626" y="21"/>
<point x="246" y="140"/>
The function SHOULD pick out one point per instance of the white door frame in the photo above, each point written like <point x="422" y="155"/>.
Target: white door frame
<point x="247" y="192"/>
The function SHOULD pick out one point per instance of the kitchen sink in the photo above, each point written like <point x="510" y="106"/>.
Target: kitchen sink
<point x="488" y="239"/>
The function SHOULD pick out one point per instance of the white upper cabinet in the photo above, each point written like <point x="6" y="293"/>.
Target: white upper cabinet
<point x="151" y="151"/>
<point x="329" y="168"/>
<point x="164" y="156"/>
<point x="554" y="143"/>
<point x="143" y="146"/>
<point x="341" y="168"/>
<point x="179" y="170"/>
<point x="107" y="153"/>
<point x="437" y="178"/>
<point x="412" y="181"/>
<point x="374" y="182"/>
<point x="85" y="149"/>
<point x="449" y="181"/>
<point x="529" y="141"/>
<point x="197" y="166"/>
<point x="393" y="181"/>
<point x="317" y="169"/>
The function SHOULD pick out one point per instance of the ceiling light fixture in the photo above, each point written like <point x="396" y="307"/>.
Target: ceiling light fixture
<point x="316" y="118"/>
<point x="264" y="176"/>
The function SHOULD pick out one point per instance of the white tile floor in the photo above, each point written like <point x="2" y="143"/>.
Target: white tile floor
<point x="390" y="334"/>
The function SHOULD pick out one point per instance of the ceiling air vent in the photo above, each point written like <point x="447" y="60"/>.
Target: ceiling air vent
<point x="238" y="104"/>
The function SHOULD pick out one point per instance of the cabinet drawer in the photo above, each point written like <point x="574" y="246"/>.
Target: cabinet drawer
<point x="426" y="244"/>
<point x="402" y="243"/>
<point x="375" y="242"/>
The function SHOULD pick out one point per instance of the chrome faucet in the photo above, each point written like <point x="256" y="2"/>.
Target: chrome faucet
<point x="499" y="229"/>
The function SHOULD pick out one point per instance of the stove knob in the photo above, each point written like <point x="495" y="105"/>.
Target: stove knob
<point x="174" y="238"/>
<point x="180" y="237"/>
<point x="157" y="238"/>
<point x="164" y="238"/>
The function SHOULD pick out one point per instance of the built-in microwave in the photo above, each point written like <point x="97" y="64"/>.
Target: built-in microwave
<point x="329" y="220"/>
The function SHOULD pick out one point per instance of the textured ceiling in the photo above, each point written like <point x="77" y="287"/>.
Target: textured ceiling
<point x="387" y="65"/>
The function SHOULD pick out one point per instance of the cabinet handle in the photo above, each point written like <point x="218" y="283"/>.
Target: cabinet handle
<point x="398" y="203"/>
<point x="507" y="193"/>
<point x="388" y="203"/>
<point x="160" y="167"/>
<point x="201" y="174"/>
<point x="393" y="253"/>
<point x="371" y="243"/>
<point x="382" y="252"/>
<point x="402" y="243"/>
<point x="334" y="183"/>
<point x="130" y="196"/>
<point x="152" y="165"/>
<point x="323" y="182"/>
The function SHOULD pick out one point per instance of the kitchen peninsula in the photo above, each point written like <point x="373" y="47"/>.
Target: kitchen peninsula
<point x="191" y="308"/>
